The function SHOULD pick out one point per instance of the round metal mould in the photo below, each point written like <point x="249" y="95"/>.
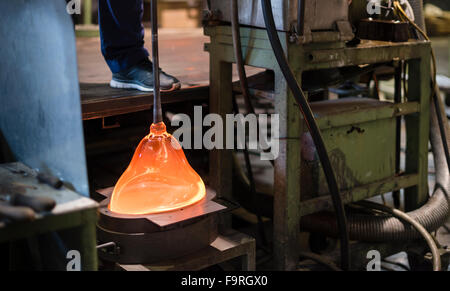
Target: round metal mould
<point x="144" y="239"/>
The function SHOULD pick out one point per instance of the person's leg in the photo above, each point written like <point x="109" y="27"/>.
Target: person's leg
<point x="122" y="43"/>
<point x="122" y="33"/>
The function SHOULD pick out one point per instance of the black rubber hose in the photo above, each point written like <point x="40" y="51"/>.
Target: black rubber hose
<point x="313" y="129"/>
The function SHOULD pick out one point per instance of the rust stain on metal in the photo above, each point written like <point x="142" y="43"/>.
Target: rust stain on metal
<point x="344" y="175"/>
<point x="355" y="128"/>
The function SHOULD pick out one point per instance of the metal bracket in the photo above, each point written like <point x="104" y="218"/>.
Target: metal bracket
<point x="110" y="248"/>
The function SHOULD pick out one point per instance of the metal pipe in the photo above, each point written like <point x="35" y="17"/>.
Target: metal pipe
<point x="417" y="7"/>
<point x="398" y="127"/>
<point x="157" y="111"/>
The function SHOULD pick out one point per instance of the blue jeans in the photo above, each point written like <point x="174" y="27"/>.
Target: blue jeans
<point x="122" y="33"/>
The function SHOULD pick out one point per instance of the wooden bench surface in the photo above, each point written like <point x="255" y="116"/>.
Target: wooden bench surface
<point x="181" y="55"/>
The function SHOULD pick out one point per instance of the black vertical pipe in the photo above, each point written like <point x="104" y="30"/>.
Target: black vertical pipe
<point x="157" y="111"/>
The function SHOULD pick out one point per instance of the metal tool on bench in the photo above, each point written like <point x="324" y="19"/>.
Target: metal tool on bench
<point x="18" y="206"/>
<point x="16" y="213"/>
<point x="38" y="204"/>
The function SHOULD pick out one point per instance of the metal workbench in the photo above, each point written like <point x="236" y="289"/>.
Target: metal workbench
<point x="72" y="212"/>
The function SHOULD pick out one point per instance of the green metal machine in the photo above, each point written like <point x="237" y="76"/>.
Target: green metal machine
<point x="360" y="133"/>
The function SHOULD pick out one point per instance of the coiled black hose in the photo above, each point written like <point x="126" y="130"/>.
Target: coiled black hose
<point x="313" y="129"/>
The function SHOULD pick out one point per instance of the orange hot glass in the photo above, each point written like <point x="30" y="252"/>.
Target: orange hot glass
<point x="158" y="179"/>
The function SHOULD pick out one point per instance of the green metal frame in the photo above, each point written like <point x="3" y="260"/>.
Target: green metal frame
<point x="288" y="208"/>
<point x="87" y="29"/>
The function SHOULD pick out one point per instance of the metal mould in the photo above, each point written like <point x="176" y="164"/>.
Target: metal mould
<point x="143" y="239"/>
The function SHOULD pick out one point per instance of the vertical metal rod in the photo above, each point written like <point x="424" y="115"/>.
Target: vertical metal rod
<point x="300" y="17"/>
<point x="398" y="126"/>
<point x="87" y="11"/>
<point x="157" y="111"/>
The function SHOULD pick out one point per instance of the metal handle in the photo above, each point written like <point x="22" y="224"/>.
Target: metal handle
<point x="157" y="111"/>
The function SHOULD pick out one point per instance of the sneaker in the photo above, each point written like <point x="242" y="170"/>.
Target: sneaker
<point x="140" y="77"/>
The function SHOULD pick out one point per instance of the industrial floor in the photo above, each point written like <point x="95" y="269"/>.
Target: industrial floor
<point x="182" y="55"/>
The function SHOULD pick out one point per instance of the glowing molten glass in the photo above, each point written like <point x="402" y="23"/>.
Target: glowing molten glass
<point x="158" y="179"/>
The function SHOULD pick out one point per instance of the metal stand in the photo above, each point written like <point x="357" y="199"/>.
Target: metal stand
<point x="226" y="247"/>
<point x="155" y="239"/>
<point x="144" y="239"/>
